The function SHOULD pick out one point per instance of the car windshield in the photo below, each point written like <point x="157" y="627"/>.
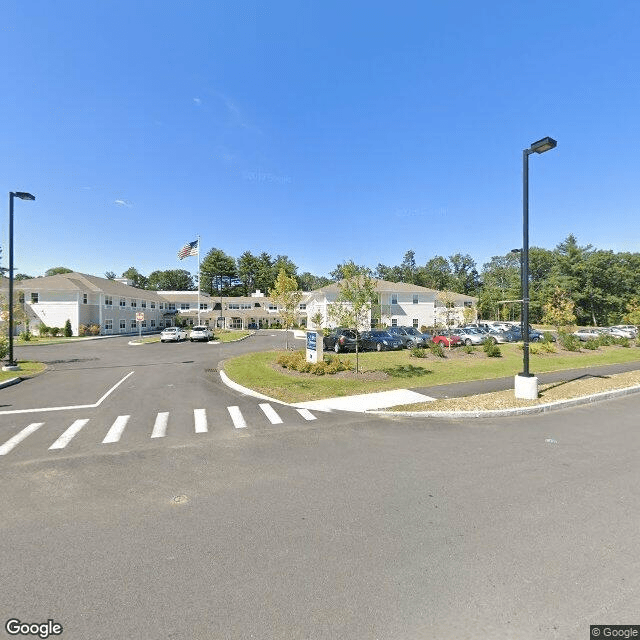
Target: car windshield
<point x="412" y="331"/>
<point x="381" y="334"/>
<point x="199" y="329"/>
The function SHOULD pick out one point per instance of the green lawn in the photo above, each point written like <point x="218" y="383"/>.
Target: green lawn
<point x="255" y="370"/>
<point x="27" y="369"/>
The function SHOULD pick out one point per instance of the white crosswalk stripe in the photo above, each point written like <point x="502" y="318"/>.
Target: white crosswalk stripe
<point x="69" y="434"/>
<point x="116" y="431"/>
<point x="114" y="434"/>
<point x="271" y="414"/>
<point x="200" y="419"/>
<point x="236" y="417"/>
<point x="19" y="437"/>
<point x="160" y="425"/>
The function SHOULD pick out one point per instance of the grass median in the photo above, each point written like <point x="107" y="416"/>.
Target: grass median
<point x="27" y="369"/>
<point x="398" y="370"/>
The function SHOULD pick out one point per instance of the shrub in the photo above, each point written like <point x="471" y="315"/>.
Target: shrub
<point x="623" y="342"/>
<point x="549" y="347"/>
<point x="296" y="360"/>
<point x="68" y="332"/>
<point x="492" y="350"/>
<point x="438" y="350"/>
<point x="423" y="329"/>
<point x="4" y="346"/>
<point x="592" y="345"/>
<point x="468" y="348"/>
<point x="94" y="329"/>
<point x="54" y="331"/>
<point x="547" y="337"/>
<point x="418" y="352"/>
<point x="569" y="342"/>
<point x="43" y="330"/>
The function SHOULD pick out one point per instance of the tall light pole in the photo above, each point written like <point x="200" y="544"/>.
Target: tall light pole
<point x="528" y="388"/>
<point x="10" y="364"/>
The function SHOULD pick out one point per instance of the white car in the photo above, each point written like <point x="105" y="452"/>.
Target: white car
<point x="200" y="333"/>
<point x="173" y="334"/>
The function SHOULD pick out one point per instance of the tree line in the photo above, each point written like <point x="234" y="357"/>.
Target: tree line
<point x="603" y="285"/>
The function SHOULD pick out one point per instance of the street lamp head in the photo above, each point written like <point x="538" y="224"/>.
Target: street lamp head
<point x="543" y="145"/>
<point x="23" y="195"/>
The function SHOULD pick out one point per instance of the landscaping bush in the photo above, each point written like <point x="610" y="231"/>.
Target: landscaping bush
<point x="468" y="348"/>
<point x="491" y="349"/>
<point x="94" y="329"/>
<point x="418" y="352"/>
<point x="547" y="337"/>
<point x="43" y="330"/>
<point x="623" y="342"/>
<point x="4" y="346"/>
<point x="438" y="350"/>
<point x="568" y="342"/>
<point x="54" y="331"/>
<point x="592" y="345"/>
<point x="296" y="360"/>
<point x="68" y="332"/>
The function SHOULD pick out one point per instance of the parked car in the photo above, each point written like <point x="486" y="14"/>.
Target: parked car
<point x="515" y="335"/>
<point x="587" y="334"/>
<point x="200" y="332"/>
<point x="619" y="333"/>
<point x="341" y="339"/>
<point x="173" y="334"/>
<point x="498" y="337"/>
<point x="410" y="336"/>
<point x="470" y="336"/>
<point x="446" y="339"/>
<point x="632" y="329"/>
<point x="378" y="340"/>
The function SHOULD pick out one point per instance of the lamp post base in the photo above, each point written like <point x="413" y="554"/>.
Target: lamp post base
<point x="526" y="387"/>
<point x="10" y="366"/>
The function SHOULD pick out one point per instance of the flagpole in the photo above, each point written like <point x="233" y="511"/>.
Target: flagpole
<point x="198" y="279"/>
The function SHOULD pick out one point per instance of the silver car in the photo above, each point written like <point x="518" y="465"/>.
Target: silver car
<point x="468" y="336"/>
<point x="587" y="334"/>
<point x="173" y="334"/>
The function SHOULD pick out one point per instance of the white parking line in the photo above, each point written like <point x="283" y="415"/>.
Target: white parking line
<point x="69" y="434"/>
<point x="160" y="425"/>
<point x="271" y="414"/>
<point x="113" y="435"/>
<point x="306" y="414"/>
<point x="19" y="437"/>
<point x="236" y="417"/>
<point x="200" y="419"/>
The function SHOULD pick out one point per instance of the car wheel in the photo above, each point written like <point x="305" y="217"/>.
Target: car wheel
<point x="468" y="342"/>
<point x="336" y="347"/>
<point x="410" y="344"/>
<point x="536" y="339"/>
<point x="378" y="347"/>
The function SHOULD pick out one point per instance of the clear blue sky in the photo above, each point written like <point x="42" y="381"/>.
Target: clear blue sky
<point x="321" y="130"/>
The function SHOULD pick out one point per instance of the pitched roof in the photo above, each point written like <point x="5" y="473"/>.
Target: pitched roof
<point x="385" y="286"/>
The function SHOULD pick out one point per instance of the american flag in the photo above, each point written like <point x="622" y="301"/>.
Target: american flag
<point x="189" y="249"/>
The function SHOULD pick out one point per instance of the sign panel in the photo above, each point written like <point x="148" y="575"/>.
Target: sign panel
<point x="311" y="340"/>
<point x="139" y="316"/>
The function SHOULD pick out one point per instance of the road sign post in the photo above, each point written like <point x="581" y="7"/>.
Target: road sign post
<point x="139" y="320"/>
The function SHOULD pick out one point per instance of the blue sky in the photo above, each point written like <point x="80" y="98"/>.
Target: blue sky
<point x="325" y="131"/>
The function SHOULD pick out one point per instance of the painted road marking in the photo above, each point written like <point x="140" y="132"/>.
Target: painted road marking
<point x="113" y="435"/>
<point x="69" y="434"/>
<point x="306" y="414"/>
<point x="160" y="425"/>
<point x="271" y="414"/>
<point x="236" y="417"/>
<point x="19" y="437"/>
<point x="200" y="418"/>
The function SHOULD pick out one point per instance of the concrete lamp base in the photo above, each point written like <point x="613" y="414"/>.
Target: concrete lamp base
<point x="11" y="367"/>
<point x="526" y="387"/>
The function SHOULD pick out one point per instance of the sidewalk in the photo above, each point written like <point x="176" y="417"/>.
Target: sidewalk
<point x="378" y="402"/>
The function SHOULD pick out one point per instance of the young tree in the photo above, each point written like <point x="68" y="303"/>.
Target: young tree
<point x="559" y="310"/>
<point x="356" y="295"/>
<point x="110" y="275"/>
<point x="136" y="277"/>
<point x="54" y="271"/>
<point x="287" y="296"/>
<point x="68" y="332"/>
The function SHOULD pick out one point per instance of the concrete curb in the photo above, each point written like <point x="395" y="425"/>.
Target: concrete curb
<point x="9" y="382"/>
<point x="495" y="413"/>
<point x="516" y="411"/>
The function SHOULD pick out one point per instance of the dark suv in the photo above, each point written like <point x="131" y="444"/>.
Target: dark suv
<point x="341" y="339"/>
<point x="410" y="336"/>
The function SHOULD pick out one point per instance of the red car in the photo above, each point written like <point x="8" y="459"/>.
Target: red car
<point x="446" y="340"/>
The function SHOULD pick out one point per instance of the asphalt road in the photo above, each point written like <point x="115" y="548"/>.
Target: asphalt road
<point x="346" y="526"/>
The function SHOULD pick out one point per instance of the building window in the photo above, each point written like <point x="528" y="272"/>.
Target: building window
<point x="153" y="323"/>
<point x="144" y="324"/>
<point x="394" y="298"/>
<point x="123" y="302"/>
<point x="415" y="323"/>
<point x="144" y="304"/>
<point x="84" y="298"/>
<point x="468" y="305"/>
<point x="185" y="306"/>
<point x="394" y="322"/>
<point x="171" y="306"/>
<point x="415" y="298"/>
<point x="108" y="301"/>
<point x="303" y="306"/>
<point x="273" y="307"/>
<point x="34" y="298"/>
<point x="153" y="304"/>
<point x="134" y="302"/>
<point x="133" y="324"/>
<point x="108" y="325"/>
<point x="203" y="306"/>
<point x="123" y="324"/>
